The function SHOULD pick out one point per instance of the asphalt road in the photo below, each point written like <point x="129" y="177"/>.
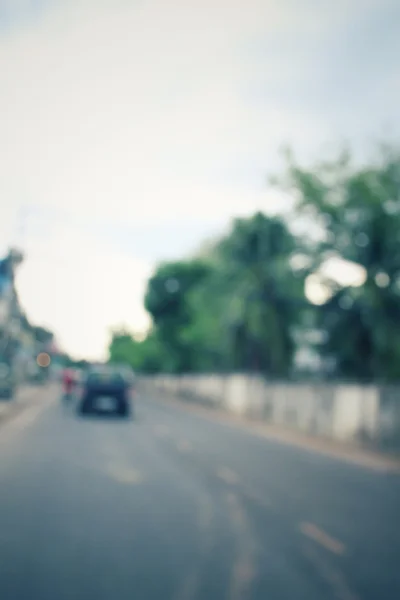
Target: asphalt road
<point x="173" y="506"/>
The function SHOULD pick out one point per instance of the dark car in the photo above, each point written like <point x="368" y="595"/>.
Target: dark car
<point x="7" y="382"/>
<point x="106" y="383"/>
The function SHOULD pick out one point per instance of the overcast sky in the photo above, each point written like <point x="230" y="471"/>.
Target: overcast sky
<point x="130" y="130"/>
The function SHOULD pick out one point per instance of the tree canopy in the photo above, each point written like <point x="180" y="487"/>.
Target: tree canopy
<point x="244" y="307"/>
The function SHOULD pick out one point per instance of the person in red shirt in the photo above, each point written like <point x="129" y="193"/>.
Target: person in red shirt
<point x="68" y="381"/>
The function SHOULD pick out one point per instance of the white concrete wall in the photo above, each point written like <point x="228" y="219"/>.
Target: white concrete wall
<point x="348" y="413"/>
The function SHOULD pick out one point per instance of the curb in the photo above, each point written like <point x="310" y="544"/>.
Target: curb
<point x="347" y="453"/>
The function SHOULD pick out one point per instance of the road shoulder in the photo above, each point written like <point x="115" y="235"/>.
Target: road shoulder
<point x="353" y="454"/>
<point x="26" y="397"/>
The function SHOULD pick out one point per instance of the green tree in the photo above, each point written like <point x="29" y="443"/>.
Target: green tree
<point x="167" y="302"/>
<point x="122" y="348"/>
<point x="265" y="294"/>
<point x="357" y="217"/>
<point x="233" y="310"/>
<point x="241" y="305"/>
<point x="145" y="355"/>
<point x="42" y="335"/>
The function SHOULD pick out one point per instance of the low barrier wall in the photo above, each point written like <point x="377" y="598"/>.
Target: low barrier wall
<point x="345" y="412"/>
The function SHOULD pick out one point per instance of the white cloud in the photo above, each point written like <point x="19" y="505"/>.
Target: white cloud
<point x="130" y="111"/>
<point x="117" y="111"/>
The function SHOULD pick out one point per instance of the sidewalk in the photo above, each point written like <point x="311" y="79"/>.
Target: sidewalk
<point x="26" y="396"/>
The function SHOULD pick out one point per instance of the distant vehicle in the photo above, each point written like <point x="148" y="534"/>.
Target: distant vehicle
<point x="106" y="382"/>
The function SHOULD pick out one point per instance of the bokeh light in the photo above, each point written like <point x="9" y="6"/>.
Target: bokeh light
<point x="43" y="359"/>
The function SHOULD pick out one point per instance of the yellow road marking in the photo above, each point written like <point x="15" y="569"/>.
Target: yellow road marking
<point x="192" y="579"/>
<point x="227" y="475"/>
<point x="318" y="535"/>
<point x="264" y="502"/>
<point x="243" y="571"/>
<point x="161" y="430"/>
<point x="183" y="446"/>
<point x="189" y="586"/>
<point x="124" y="475"/>
<point x="331" y="574"/>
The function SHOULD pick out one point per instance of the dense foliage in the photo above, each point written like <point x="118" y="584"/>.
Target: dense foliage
<point x="243" y="306"/>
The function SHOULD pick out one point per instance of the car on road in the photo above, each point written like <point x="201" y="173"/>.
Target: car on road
<point x="107" y="383"/>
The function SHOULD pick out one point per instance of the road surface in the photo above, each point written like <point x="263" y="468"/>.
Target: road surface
<point x="172" y="506"/>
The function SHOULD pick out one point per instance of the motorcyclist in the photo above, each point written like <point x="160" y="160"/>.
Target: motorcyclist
<point x="69" y="382"/>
